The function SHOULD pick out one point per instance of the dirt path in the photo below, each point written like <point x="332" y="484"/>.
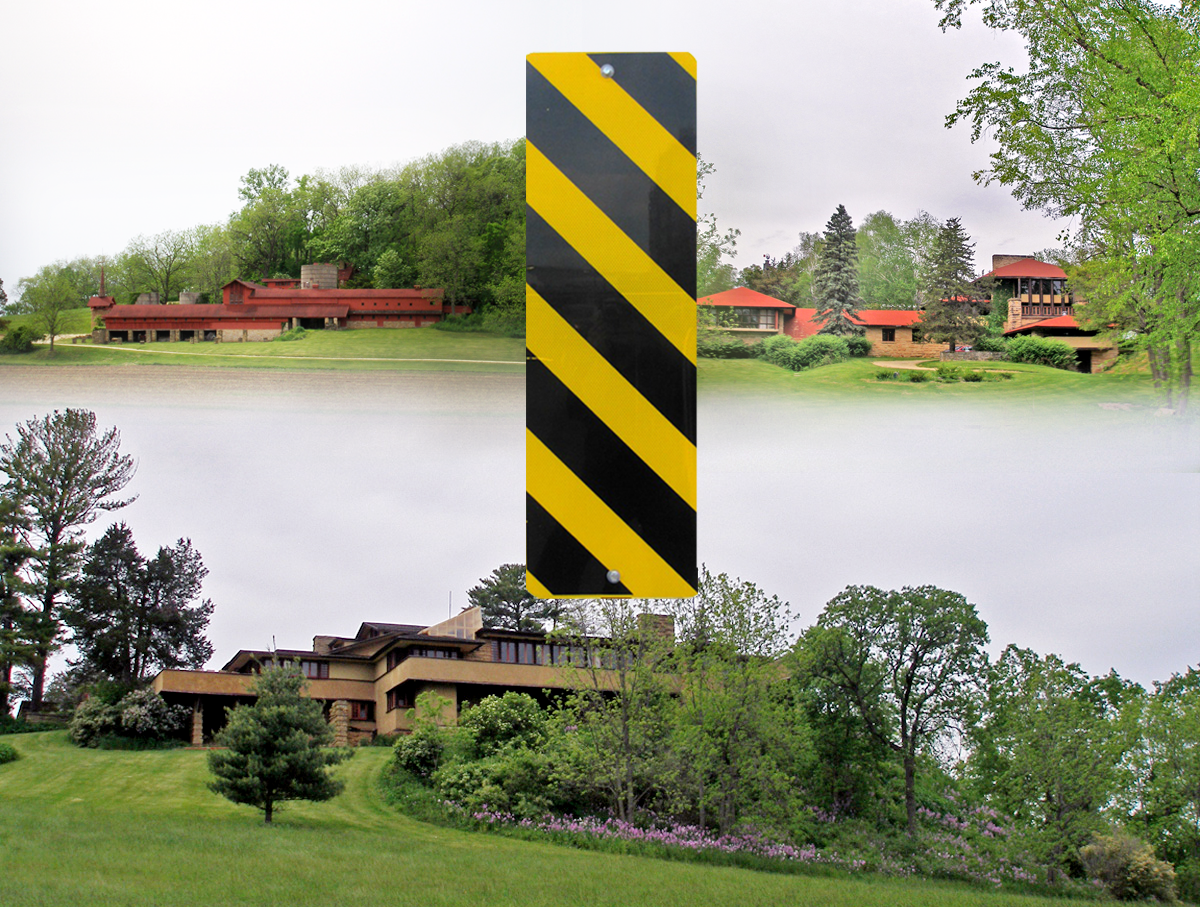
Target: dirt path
<point x="902" y="363"/>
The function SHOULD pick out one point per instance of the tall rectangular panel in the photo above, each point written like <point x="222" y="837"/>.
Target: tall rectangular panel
<point x="611" y="325"/>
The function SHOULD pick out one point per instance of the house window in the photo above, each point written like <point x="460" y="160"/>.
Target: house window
<point x="759" y="319"/>
<point x="361" y="711"/>
<point x="398" y="698"/>
<point x="889" y="335"/>
<point x="315" y="670"/>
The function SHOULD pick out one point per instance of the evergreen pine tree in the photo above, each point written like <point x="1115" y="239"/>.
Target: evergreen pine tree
<point x="505" y="603"/>
<point x="950" y="296"/>
<point x="276" y="747"/>
<point x="835" y="284"/>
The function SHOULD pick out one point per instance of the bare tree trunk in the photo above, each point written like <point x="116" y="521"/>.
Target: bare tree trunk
<point x="1184" y="352"/>
<point x="910" y="791"/>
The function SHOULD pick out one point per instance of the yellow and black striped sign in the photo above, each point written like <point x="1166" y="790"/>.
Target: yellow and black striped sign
<point x="610" y="249"/>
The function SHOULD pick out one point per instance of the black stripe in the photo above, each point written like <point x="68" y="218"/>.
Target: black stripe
<point x="614" y="183"/>
<point x="664" y="88"/>
<point x="614" y="473"/>
<point x="557" y="559"/>
<point x="616" y="330"/>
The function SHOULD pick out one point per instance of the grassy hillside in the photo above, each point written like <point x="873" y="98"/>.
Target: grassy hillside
<point x="125" y="828"/>
<point x="75" y="321"/>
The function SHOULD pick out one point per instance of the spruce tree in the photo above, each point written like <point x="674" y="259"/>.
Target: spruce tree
<point x="952" y="308"/>
<point x="276" y="747"/>
<point x="835" y="284"/>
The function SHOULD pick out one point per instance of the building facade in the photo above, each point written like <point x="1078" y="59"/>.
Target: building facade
<point x="370" y="682"/>
<point x="251" y="311"/>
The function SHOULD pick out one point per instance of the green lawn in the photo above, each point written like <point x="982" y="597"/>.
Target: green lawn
<point x="361" y="350"/>
<point x="856" y="379"/>
<point x="85" y="827"/>
<point x="75" y="321"/>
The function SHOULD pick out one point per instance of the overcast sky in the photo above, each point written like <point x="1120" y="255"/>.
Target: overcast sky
<point x="127" y="117"/>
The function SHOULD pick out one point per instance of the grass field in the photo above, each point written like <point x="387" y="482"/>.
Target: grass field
<point x="421" y="349"/>
<point x="87" y="827"/>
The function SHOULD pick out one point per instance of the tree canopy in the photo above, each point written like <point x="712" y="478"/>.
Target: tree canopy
<point x="953" y="305"/>
<point x="505" y="603"/>
<point x="130" y="617"/>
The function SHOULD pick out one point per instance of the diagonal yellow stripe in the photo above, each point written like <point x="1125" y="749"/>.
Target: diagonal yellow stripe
<point x="614" y="400"/>
<point x="687" y="61"/>
<point x="626" y="123"/>
<point x="617" y="258"/>
<point x="593" y="524"/>
<point x="534" y="586"/>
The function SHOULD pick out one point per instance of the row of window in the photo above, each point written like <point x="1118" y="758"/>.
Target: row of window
<point x="762" y="319"/>
<point x="1041" y="286"/>
<point x="535" y="653"/>
<point x="398" y="655"/>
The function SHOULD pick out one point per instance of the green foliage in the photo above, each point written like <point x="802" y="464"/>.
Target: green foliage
<point x="906" y="662"/>
<point x="505" y="603"/>
<point x="1128" y="868"/>
<point x="1042" y="351"/>
<point x="811" y="352"/>
<point x="19" y="339"/>
<point x="716" y="344"/>
<point x="420" y="752"/>
<point x="510" y="721"/>
<point x="8" y="753"/>
<point x="858" y="346"/>
<point x="131" y="616"/>
<point x="714" y="273"/>
<point x="991" y="344"/>
<point x="518" y="781"/>
<point x="835" y="281"/>
<point x="94" y="718"/>
<point x="276" y="747"/>
<point x="1094" y="127"/>
<point x="140" y="715"/>
<point x="951" y="299"/>
<point x="296" y="333"/>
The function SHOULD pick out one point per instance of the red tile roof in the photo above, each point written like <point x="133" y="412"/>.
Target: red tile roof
<point x="744" y="297"/>
<point x="887" y="318"/>
<point x="1028" y="267"/>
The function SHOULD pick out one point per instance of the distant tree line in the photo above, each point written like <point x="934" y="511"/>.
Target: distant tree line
<point x="454" y="220"/>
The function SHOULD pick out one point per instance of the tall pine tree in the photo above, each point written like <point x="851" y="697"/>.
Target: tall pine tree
<point x="953" y="309"/>
<point x="835" y="284"/>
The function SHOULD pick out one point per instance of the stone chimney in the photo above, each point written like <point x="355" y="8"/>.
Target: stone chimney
<point x="999" y="261"/>
<point x="319" y="277"/>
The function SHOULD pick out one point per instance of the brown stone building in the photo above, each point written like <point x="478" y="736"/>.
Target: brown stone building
<point x="370" y="681"/>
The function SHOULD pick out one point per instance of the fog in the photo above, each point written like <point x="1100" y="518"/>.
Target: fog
<point x="322" y="499"/>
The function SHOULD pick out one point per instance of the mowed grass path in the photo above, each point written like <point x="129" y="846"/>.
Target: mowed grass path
<point x="83" y="827"/>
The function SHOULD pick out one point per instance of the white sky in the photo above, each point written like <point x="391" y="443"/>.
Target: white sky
<point x="125" y="117"/>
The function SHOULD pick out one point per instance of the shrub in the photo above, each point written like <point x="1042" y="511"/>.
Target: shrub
<point x="1128" y="869"/>
<point x="776" y="349"/>
<point x="514" y="720"/>
<point x="949" y="373"/>
<point x="10" y="725"/>
<point x="19" y="339"/>
<point x="858" y="346"/>
<point x="7" y="753"/>
<point x="820" y="349"/>
<point x="516" y="782"/>
<point x="420" y="752"/>
<point x="1041" y="351"/>
<point x="990" y="344"/>
<point x="973" y="376"/>
<point x="916" y="375"/>
<point x="147" y="716"/>
<point x="292" y="334"/>
<point x="719" y="345"/>
<point x="94" y="718"/>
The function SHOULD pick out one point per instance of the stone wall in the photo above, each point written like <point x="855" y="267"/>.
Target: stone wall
<point x="903" y="346"/>
<point x="971" y="356"/>
<point x="240" y="335"/>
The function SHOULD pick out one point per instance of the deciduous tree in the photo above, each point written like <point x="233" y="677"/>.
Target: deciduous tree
<point x="48" y="297"/>
<point x="276" y="749"/>
<point x="63" y="474"/>
<point x="906" y="662"/>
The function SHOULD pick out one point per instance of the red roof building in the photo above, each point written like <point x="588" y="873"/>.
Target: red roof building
<point x="253" y="311"/>
<point x="757" y="315"/>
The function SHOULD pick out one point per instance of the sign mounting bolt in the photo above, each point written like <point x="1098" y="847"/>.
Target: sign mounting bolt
<point x="613" y="576"/>
<point x="607" y="71"/>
